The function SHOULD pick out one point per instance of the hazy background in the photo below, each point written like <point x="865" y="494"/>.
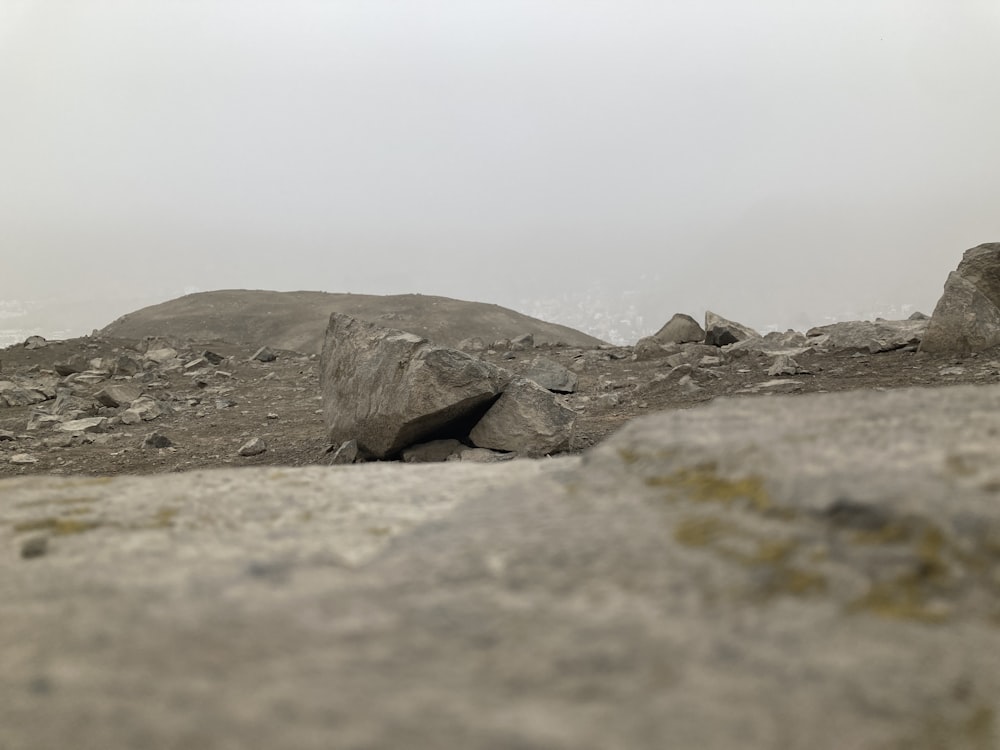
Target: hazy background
<point x="779" y="162"/>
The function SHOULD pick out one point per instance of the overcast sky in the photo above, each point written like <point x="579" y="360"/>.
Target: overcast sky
<point x="764" y="159"/>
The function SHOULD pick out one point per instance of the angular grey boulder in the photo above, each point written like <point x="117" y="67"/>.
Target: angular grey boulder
<point x="680" y="329"/>
<point x="720" y="331"/>
<point x="551" y="375"/>
<point x="528" y="420"/>
<point x="117" y="395"/>
<point x="967" y="317"/>
<point x="388" y="389"/>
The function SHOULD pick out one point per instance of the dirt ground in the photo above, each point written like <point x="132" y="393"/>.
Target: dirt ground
<point x="212" y="410"/>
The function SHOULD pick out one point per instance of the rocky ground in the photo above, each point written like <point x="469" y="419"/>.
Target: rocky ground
<point x="198" y="414"/>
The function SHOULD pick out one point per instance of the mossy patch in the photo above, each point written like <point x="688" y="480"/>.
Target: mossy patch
<point x="703" y="484"/>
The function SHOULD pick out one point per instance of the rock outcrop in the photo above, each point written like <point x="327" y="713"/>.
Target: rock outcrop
<point x="871" y="336"/>
<point x="680" y="329"/>
<point x="967" y="317"/>
<point x="389" y="389"/>
<point x="720" y="332"/>
<point x="814" y="571"/>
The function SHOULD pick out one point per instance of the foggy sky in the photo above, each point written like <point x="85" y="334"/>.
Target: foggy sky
<point x="765" y="159"/>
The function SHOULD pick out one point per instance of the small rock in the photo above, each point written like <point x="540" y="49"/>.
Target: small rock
<point x="436" y="450"/>
<point x="212" y="357"/>
<point x="272" y="415"/>
<point x="117" y="395"/>
<point x="551" y="375"/>
<point x="524" y="341"/>
<point x="253" y="447"/>
<point x="951" y="371"/>
<point x="160" y="356"/>
<point x="474" y="344"/>
<point x="35" y="546"/>
<point x="6" y="435"/>
<point x="22" y="459"/>
<point x="785" y="365"/>
<point x="157" y="440"/>
<point x="87" y="424"/>
<point x="224" y="403"/>
<point x="264" y="355"/>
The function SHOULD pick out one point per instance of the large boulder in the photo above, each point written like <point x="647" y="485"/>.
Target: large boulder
<point x="680" y="329"/>
<point x="813" y="571"/>
<point x="871" y="336"/>
<point x="720" y="331"/>
<point x="389" y="389"/>
<point x="967" y="317"/>
<point x="528" y="420"/>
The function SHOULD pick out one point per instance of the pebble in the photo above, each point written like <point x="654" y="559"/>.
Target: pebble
<point x="23" y="458"/>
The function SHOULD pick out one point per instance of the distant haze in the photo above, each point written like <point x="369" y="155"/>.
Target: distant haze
<point x="778" y="162"/>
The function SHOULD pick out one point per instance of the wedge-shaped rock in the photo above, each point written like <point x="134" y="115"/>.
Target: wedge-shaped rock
<point x="388" y="389"/>
<point x="719" y="331"/>
<point x="117" y="395"/>
<point x="967" y="317"/>
<point x="680" y="329"/>
<point x="527" y="420"/>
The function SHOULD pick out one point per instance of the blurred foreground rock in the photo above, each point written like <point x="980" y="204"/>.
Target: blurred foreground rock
<point x="818" y="571"/>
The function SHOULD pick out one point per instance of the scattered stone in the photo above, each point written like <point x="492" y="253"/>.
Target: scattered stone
<point x="474" y="344"/>
<point x="522" y="342"/>
<point x="212" y="357"/>
<point x="720" y="331"/>
<point x="70" y="366"/>
<point x="389" y="389"/>
<point x="87" y="424"/>
<point x="253" y="447"/>
<point x="346" y="453"/>
<point x="436" y="450"/>
<point x="967" y="317"/>
<point x="23" y="459"/>
<point x="271" y="415"/>
<point x="125" y="365"/>
<point x="264" y="355"/>
<point x="35" y="546"/>
<point x="6" y="435"/>
<point x="130" y="417"/>
<point x="161" y="356"/>
<point x="710" y="361"/>
<point x="12" y="394"/>
<point x="527" y="419"/>
<point x="680" y="329"/>
<point x="551" y="375"/>
<point x="117" y="395"/>
<point x="785" y="365"/>
<point x="157" y="440"/>
<point x="146" y="408"/>
<point x="224" y="403"/>
<point x="649" y="348"/>
<point x="35" y="342"/>
<point x="952" y="371"/>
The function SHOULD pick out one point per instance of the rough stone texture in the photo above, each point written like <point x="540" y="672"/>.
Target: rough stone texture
<point x="264" y="354"/>
<point x="117" y="395"/>
<point x="967" y="317"/>
<point x="87" y="424"/>
<point x="436" y="450"/>
<point x="253" y="447"/>
<point x="527" y="419"/>
<point x="551" y="375"/>
<point x="872" y="336"/>
<point x="680" y="329"/>
<point x="648" y="348"/>
<point x="389" y="389"/>
<point x="346" y="453"/>
<point x="818" y="572"/>
<point x="719" y="331"/>
<point x="14" y="394"/>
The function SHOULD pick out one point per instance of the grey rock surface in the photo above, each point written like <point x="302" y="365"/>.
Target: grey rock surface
<point x="388" y="389"/>
<point x="817" y="571"/>
<point x="967" y="317"/>
<point x="872" y="336"/>
<point x="551" y="375"/>
<point x="720" y="331"/>
<point x="680" y="329"/>
<point x="527" y="419"/>
<point x="436" y="450"/>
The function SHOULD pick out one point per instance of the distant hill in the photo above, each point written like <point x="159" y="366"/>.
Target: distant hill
<point x="297" y="320"/>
